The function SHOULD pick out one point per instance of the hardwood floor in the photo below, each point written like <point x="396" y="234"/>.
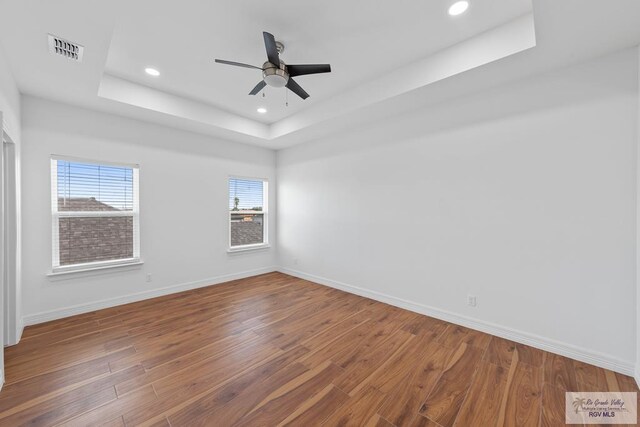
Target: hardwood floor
<point x="275" y="350"/>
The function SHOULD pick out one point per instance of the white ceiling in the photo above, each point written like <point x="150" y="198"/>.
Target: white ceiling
<point x="361" y="39"/>
<point x="387" y="57"/>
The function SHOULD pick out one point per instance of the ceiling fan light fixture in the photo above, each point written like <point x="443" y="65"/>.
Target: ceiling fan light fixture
<point x="275" y="76"/>
<point x="275" y="80"/>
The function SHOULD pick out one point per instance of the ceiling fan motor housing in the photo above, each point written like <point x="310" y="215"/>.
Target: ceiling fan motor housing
<point x="275" y="76"/>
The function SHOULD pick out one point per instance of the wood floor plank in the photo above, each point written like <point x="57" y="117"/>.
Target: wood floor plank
<point x="590" y="378"/>
<point x="530" y="355"/>
<point x="560" y="372"/>
<point x="522" y="399"/>
<point x="187" y="388"/>
<point x="53" y="408"/>
<point x="425" y="326"/>
<point x="20" y="392"/>
<point x="334" y="349"/>
<point x="57" y="356"/>
<point x="553" y="406"/>
<point x="500" y="352"/>
<point x="454" y="335"/>
<point x="418" y="352"/>
<point x="171" y="346"/>
<point x="294" y="334"/>
<point x="358" y="410"/>
<point x="363" y="364"/>
<point x="626" y="383"/>
<point x="117" y="422"/>
<point x="406" y="397"/>
<point x="278" y="350"/>
<point x="378" y="421"/>
<point x="278" y="371"/>
<point x="60" y="412"/>
<point x="318" y="407"/>
<point x="422" y="421"/>
<point x="482" y="403"/>
<point x="335" y="332"/>
<point x="188" y="361"/>
<point x="200" y="377"/>
<point x="55" y="325"/>
<point x="163" y="422"/>
<point x="286" y="399"/>
<point x="445" y="399"/>
<point x="213" y="409"/>
<point x="380" y="332"/>
<point x="120" y="405"/>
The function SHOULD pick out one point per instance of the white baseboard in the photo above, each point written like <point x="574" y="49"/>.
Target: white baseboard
<point x="17" y="335"/>
<point x="33" y="319"/>
<point x="637" y="376"/>
<point x="15" y="339"/>
<point x="19" y="330"/>
<point x="582" y="354"/>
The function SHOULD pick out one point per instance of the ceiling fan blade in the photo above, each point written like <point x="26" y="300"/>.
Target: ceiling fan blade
<point x="295" y="88"/>
<point x="237" y="64"/>
<point x="258" y="88"/>
<point x="272" y="50"/>
<point x="301" y="70"/>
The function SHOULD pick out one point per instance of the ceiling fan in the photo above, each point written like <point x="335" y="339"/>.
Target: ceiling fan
<point x="276" y="73"/>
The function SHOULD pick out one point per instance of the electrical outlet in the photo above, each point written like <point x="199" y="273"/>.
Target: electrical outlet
<point x="148" y="277"/>
<point x="471" y="301"/>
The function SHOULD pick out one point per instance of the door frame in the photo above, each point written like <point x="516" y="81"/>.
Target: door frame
<point x="9" y="239"/>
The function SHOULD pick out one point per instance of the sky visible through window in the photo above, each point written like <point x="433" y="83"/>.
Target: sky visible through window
<point x="111" y="185"/>
<point x="245" y="194"/>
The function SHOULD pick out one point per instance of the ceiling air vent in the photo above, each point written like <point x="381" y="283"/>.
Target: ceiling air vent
<point x="65" y="48"/>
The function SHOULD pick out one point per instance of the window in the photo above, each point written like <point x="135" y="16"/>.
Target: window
<point x="95" y="214"/>
<point x="247" y="213"/>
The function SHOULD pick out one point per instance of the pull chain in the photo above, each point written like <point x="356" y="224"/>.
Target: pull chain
<point x="286" y="97"/>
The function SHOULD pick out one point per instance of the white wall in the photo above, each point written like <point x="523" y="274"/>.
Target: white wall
<point x="183" y="202"/>
<point x="523" y="196"/>
<point x="9" y="99"/>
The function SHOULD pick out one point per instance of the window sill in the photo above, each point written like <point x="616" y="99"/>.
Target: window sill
<point x="248" y="248"/>
<point x="93" y="268"/>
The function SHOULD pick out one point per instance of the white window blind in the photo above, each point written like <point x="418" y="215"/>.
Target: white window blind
<point x="95" y="214"/>
<point x="247" y="212"/>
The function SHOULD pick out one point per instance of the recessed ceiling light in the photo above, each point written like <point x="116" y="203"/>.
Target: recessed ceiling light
<point x="152" y="71"/>
<point x="458" y="8"/>
<point x="262" y="110"/>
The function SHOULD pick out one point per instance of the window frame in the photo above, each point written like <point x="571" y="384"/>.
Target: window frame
<point x="56" y="268"/>
<point x="264" y="213"/>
